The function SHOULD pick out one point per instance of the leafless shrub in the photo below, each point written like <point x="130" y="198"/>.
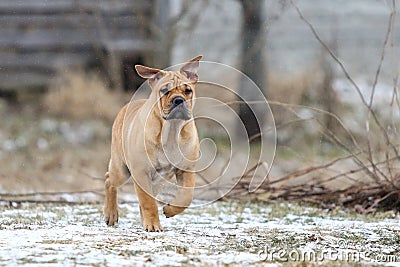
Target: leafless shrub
<point x="369" y="171"/>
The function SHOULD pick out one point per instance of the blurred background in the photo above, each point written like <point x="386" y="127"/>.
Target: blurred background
<point x="66" y="68"/>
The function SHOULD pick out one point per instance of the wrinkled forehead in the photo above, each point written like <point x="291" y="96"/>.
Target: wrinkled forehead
<point x="173" y="79"/>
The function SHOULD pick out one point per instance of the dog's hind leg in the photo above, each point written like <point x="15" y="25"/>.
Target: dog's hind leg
<point x="184" y="196"/>
<point x="115" y="177"/>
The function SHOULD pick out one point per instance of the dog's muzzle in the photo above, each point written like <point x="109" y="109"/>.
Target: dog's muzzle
<point x="178" y="110"/>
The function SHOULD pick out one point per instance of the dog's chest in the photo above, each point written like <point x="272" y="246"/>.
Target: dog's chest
<point x="163" y="166"/>
<point x="163" y="173"/>
<point x="171" y="153"/>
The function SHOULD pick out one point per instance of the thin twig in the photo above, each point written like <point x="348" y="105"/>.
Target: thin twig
<point x="383" y="53"/>
<point x="287" y="105"/>
<point x="357" y="170"/>
<point x="282" y="125"/>
<point x="377" y="74"/>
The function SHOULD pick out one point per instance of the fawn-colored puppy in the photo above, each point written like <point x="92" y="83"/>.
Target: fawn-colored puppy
<point x="155" y="138"/>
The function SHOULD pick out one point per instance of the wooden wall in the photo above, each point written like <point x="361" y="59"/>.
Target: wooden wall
<point x="40" y="37"/>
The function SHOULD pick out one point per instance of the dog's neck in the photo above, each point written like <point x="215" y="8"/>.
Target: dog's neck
<point x="171" y="132"/>
<point x="176" y="137"/>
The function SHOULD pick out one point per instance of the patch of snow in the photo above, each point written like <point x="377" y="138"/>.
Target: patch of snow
<point x="42" y="143"/>
<point x="58" y="235"/>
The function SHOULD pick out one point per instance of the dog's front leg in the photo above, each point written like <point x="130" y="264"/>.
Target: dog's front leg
<point x="184" y="196"/>
<point x="148" y="208"/>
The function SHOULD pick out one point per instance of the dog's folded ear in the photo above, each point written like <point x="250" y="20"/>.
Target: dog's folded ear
<point x="148" y="73"/>
<point x="190" y="69"/>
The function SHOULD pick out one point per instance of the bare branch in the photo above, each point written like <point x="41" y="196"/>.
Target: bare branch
<point x="383" y="53"/>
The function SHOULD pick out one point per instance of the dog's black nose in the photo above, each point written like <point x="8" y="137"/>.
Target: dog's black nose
<point x="178" y="100"/>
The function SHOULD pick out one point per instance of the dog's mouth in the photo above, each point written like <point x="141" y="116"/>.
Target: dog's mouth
<point x="179" y="112"/>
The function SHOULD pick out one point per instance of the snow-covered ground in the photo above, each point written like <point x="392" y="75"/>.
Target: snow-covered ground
<point x="223" y="233"/>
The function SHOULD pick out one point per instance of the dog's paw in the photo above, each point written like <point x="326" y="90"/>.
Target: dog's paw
<point x="152" y="225"/>
<point x="170" y="211"/>
<point x="110" y="216"/>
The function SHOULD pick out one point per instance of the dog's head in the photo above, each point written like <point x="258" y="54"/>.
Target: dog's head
<point x="175" y="90"/>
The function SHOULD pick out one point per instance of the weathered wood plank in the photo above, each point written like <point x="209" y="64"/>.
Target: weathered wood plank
<point x="69" y="21"/>
<point x="35" y="7"/>
<point x="129" y="45"/>
<point x="30" y="7"/>
<point x="43" y="62"/>
<point x="24" y="80"/>
<point x="49" y="40"/>
<point x="117" y="6"/>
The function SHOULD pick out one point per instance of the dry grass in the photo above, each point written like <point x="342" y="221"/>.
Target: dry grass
<point x="307" y="87"/>
<point x="44" y="158"/>
<point x="291" y="89"/>
<point x="80" y="95"/>
<point x="62" y="146"/>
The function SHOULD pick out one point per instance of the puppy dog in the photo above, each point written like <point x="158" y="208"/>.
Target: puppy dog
<point x="155" y="138"/>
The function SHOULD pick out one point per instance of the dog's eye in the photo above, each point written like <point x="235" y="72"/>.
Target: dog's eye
<point x="188" y="91"/>
<point x="164" y="91"/>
